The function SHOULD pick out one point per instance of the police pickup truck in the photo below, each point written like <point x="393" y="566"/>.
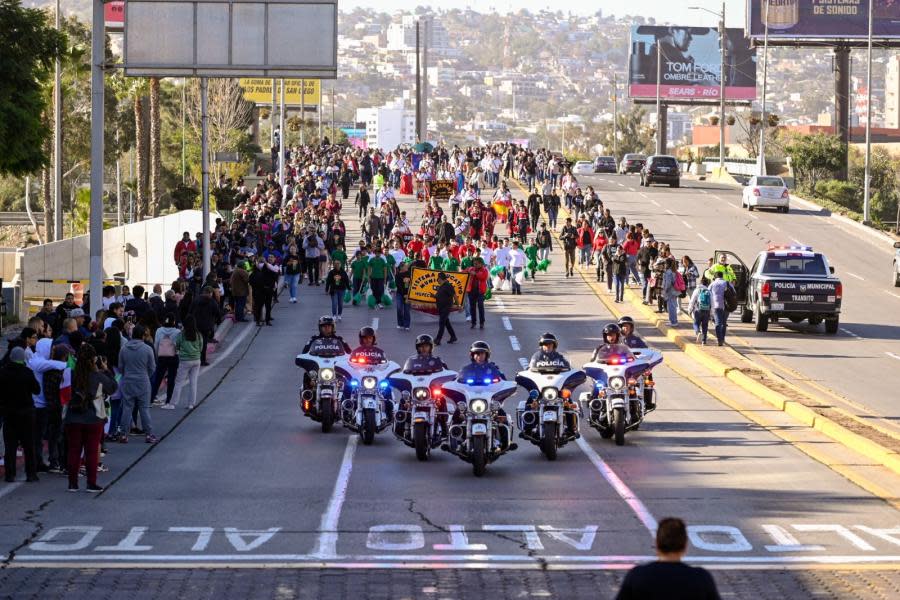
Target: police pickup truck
<point x="790" y="282"/>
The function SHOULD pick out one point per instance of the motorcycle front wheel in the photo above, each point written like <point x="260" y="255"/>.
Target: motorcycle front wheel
<point x="368" y="426"/>
<point x="327" y="408"/>
<point x="420" y="440"/>
<point x="619" y="427"/>
<point x="548" y="442"/>
<point x="479" y="456"/>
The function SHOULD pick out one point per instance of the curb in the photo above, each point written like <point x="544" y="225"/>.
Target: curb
<point x="805" y="415"/>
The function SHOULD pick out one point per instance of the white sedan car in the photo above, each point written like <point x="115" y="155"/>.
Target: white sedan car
<point x="583" y="167"/>
<point x="766" y="191"/>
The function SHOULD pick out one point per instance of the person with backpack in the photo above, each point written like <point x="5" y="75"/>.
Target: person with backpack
<point x="719" y="292"/>
<point x="188" y="344"/>
<point x="672" y="286"/>
<point x="620" y="272"/>
<point x="17" y="411"/>
<point x="699" y="308"/>
<point x="166" y="360"/>
<point x="92" y="382"/>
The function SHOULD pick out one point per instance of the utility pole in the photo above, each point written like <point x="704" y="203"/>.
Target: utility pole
<point x="282" y="146"/>
<point x="333" y="136"/>
<point x="764" y="122"/>
<point x="95" y="229"/>
<point x="659" y="119"/>
<point x="204" y="167"/>
<point x="302" y="111"/>
<point x="616" y="119"/>
<point x="722" y="92"/>
<point x="418" y="85"/>
<point x="867" y="190"/>
<point x="272" y="121"/>
<point x="425" y="37"/>
<point x="57" y="141"/>
<point x="119" y="186"/>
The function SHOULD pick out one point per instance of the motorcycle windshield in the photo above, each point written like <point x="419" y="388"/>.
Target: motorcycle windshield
<point x="616" y="354"/>
<point x="326" y="348"/>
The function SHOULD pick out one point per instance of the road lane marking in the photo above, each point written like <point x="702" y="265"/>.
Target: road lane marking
<point x="523" y="362"/>
<point x="892" y="355"/>
<point x="621" y="185"/>
<point x="669" y="210"/>
<point x="686" y="224"/>
<point x="854" y="275"/>
<point x="9" y="488"/>
<point x="640" y="510"/>
<point x="655" y="202"/>
<point x="703" y="191"/>
<point x="326" y="546"/>
<point x="703" y="237"/>
<point x="643" y="194"/>
<point x="850" y="333"/>
<point x="773" y="227"/>
<point x="514" y="342"/>
<point x="785" y="542"/>
<point x="891" y="294"/>
<point x="231" y="346"/>
<point x="507" y="324"/>
<point x="375" y="321"/>
<point x="500" y="304"/>
<point x="754" y="217"/>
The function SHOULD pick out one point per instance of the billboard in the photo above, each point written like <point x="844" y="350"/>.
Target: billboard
<point x="260" y="91"/>
<point x="239" y="38"/>
<point x="691" y="64"/>
<point x="822" y="19"/>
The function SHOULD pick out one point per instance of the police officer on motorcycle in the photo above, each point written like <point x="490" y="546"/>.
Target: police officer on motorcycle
<point x="612" y="343"/>
<point x="480" y="369"/>
<point x="423" y="362"/>
<point x="547" y="358"/>
<point x="326" y="338"/>
<point x="629" y="337"/>
<point x="368" y="353"/>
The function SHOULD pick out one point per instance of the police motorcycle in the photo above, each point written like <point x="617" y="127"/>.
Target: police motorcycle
<point x="637" y="344"/>
<point x="616" y="403"/>
<point x="367" y="407"/>
<point x="420" y="420"/>
<point x="480" y="431"/>
<point x="320" y="398"/>
<point x="550" y="417"/>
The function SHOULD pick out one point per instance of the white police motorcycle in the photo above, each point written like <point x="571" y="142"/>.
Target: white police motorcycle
<point x="549" y="418"/>
<point x="321" y="400"/>
<point x="475" y="435"/>
<point x="422" y="410"/>
<point x="617" y="403"/>
<point x="365" y="411"/>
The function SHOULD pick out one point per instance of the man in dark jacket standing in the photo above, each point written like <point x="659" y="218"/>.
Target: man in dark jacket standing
<point x="207" y="314"/>
<point x="240" y="289"/>
<point x="17" y="407"/>
<point x="445" y="298"/>
<point x="262" y="282"/>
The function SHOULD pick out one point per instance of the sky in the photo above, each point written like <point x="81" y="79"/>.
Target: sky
<point x="673" y="11"/>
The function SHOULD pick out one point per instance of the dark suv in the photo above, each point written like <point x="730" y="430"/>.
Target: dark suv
<point x="632" y="163"/>
<point x="661" y="169"/>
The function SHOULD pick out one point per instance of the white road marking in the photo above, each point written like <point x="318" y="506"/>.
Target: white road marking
<point x="686" y="224"/>
<point x="655" y="203"/>
<point x="630" y="498"/>
<point x="796" y="241"/>
<point x="773" y="227"/>
<point x="855" y="275"/>
<point x="326" y="546"/>
<point x="892" y="355"/>
<point x="507" y="324"/>
<point x="669" y="210"/>
<point x="231" y="346"/>
<point x="891" y="294"/>
<point x="850" y="333"/>
<point x="643" y="194"/>
<point x="703" y="191"/>
<point x="621" y="185"/>
<point x="754" y="217"/>
<point x="375" y="321"/>
<point x="9" y="487"/>
<point x="703" y="237"/>
<point x="631" y="189"/>
<point x="514" y="342"/>
<point x="500" y="304"/>
<point x="523" y="362"/>
<point x="785" y="542"/>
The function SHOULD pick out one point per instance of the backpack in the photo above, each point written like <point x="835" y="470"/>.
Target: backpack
<point x="166" y="347"/>
<point x="704" y="301"/>
<point x="679" y="282"/>
<point x="730" y="299"/>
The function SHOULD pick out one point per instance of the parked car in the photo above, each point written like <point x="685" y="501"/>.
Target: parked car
<point x="766" y="191"/>
<point x="661" y="169"/>
<point x="583" y="167"/>
<point x="605" y="164"/>
<point x="896" y="264"/>
<point x="632" y="163"/>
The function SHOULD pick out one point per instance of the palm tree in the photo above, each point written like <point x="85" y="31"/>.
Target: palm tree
<point x="155" y="149"/>
<point x="140" y="150"/>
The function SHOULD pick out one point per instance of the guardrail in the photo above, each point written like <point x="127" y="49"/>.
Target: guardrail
<point x="21" y="218"/>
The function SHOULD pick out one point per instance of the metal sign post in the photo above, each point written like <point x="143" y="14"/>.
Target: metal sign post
<point x="98" y="56"/>
<point x="204" y="162"/>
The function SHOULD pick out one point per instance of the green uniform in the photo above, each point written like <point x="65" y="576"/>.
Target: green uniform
<point x="377" y="267"/>
<point x="451" y="264"/>
<point x="358" y="268"/>
<point x="436" y="262"/>
<point x="465" y="263"/>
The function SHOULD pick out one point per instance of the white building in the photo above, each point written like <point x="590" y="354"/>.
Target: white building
<point x="892" y="93"/>
<point x="402" y="36"/>
<point x="388" y="126"/>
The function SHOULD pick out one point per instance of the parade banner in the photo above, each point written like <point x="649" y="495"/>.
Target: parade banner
<point x="822" y="19"/>
<point x="691" y="64"/>
<point x="424" y="283"/>
<point x="259" y="90"/>
<point x="443" y="189"/>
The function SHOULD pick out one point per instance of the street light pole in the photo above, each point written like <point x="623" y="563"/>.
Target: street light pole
<point x="722" y="92"/>
<point x="204" y="168"/>
<point x="616" y="119"/>
<point x="95" y="230"/>
<point x="763" y="123"/>
<point x="57" y="141"/>
<point x="659" y="143"/>
<point x="867" y="191"/>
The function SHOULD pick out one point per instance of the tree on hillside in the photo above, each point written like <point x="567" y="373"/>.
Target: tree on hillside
<point x="634" y="134"/>
<point x="815" y="157"/>
<point x="29" y="46"/>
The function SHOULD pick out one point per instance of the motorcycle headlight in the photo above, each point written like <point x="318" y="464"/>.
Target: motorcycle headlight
<point x="326" y="374"/>
<point x="551" y="394"/>
<point x="617" y="383"/>
<point x="478" y="406"/>
<point x="369" y="382"/>
<point x="420" y="393"/>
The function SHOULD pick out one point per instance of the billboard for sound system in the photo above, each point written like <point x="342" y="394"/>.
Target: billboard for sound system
<point x="691" y="64"/>
<point x="822" y="19"/>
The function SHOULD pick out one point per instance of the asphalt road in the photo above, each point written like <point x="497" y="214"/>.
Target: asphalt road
<point x="861" y="362"/>
<point x="246" y="482"/>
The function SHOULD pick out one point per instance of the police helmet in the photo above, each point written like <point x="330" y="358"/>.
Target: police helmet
<point x="367" y="332"/>
<point x="549" y="338"/>
<point x="610" y="330"/>
<point x="480" y="346"/>
<point x="326" y="320"/>
<point x="626" y="320"/>
<point x="424" y="339"/>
